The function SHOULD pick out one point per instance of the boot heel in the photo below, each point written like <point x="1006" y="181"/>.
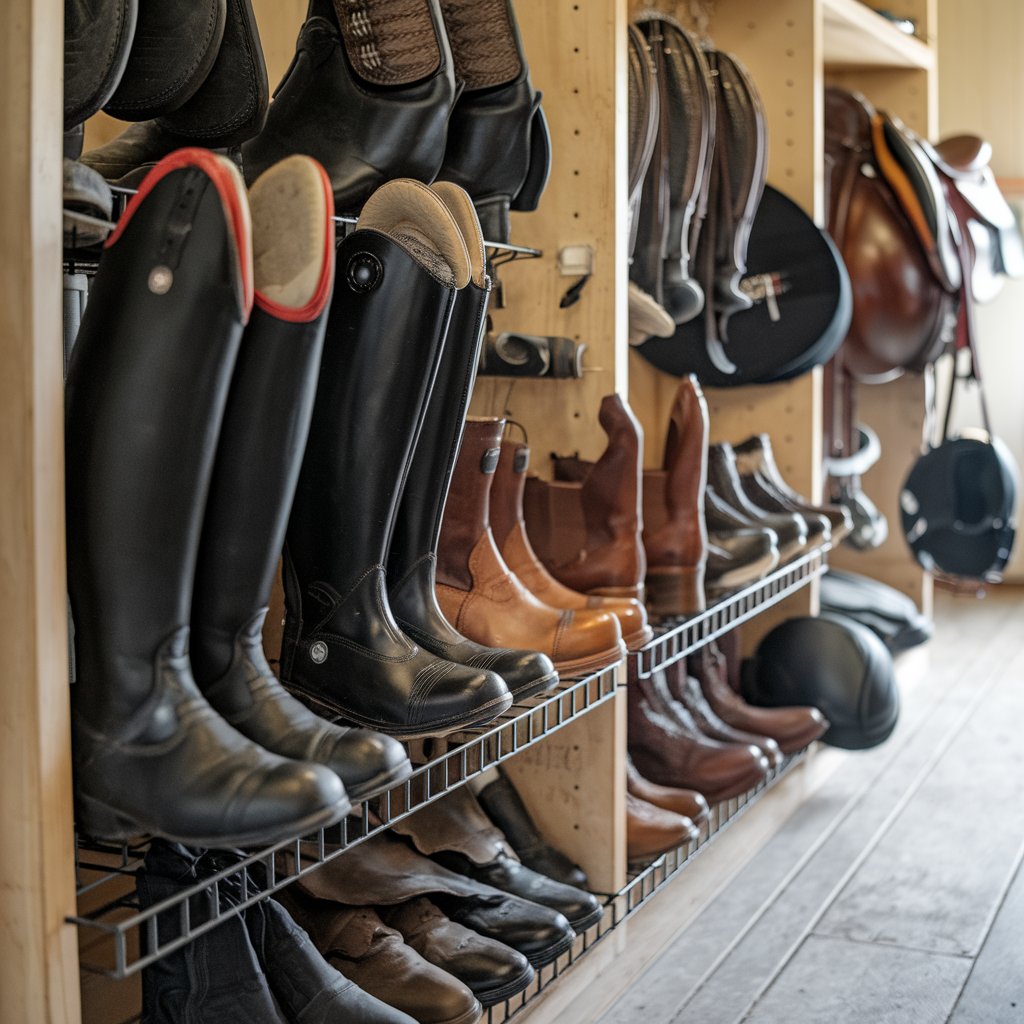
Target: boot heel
<point x="99" y="821"/>
<point x="675" y="591"/>
<point x="636" y="592"/>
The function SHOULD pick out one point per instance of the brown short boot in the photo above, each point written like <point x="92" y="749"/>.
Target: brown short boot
<point x="586" y="524"/>
<point x="652" y="831"/>
<point x="509" y="529"/>
<point x="675" y="537"/>
<point x="482" y="598"/>
<point x="687" y="803"/>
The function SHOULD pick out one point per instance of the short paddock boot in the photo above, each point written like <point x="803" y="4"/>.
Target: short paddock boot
<point x="481" y="596"/>
<point x="412" y="559"/>
<point x="146" y="391"/>
<point x="509" y="529"/>
<point x="258" y="459"/>
<point x="343" y="651"/>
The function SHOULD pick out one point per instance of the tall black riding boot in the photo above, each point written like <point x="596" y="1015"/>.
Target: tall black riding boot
<point x="412" y="560"/>
<point x="398" y="276"/>
<point x="259" y="455"/>
<point x="368" y="94"/>
<point x="146" y="390"/>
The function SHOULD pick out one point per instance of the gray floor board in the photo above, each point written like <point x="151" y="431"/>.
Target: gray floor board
<point x="994" y="993"/>
<point x="832" y="981"/>
<point x="715" y="969"/>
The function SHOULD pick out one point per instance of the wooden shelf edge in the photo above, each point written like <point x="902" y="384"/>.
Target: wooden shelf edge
<point x="856" y="36"/>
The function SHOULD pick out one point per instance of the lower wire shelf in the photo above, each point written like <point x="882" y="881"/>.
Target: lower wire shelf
<point x="636" y="893"/>
<point x="114" y="929"/>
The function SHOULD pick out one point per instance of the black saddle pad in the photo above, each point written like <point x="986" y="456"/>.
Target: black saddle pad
<point x="800" y="315"/>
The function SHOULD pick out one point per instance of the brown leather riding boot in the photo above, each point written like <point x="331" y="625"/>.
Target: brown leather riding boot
<point x="652" y="831"/>
<point x="792" y="728"/>
<point x="669" y="753"/>
<point x="478" y="593"/>
<point x="675" y="536"/>
<point x="688" y="695"/>
<point x="509" y="529"/>
<point x="686" y="802"/>
<point x="587" y="530"/>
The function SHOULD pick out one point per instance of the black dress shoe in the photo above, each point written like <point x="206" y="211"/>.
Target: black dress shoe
<point x="492" y="970"/>
<point x="368" y="112"/>
<point x="97" y="40"/>
<point x="505" y="808"/>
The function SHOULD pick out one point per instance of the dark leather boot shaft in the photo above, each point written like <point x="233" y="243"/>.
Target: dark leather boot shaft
<point x="146" y="391"/>
<point x="506" y="809"/>
<point x="342" y="648"/>
<point x="675" y="537"/>
<point x="173" y="50"/>
<point x="496" y="135"/>
<point x="367" y="113"/>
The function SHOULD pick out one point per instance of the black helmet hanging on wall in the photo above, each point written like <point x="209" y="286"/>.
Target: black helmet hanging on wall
<point x="959" y="507"/>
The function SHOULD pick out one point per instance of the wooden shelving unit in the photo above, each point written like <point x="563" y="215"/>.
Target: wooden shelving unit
<point x="573" y="780"/>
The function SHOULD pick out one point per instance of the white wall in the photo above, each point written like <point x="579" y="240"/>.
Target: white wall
<point x="981" y="92"/>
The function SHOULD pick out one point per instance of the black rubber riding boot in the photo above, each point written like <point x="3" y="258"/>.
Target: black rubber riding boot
<point x="412" y="560"/>
<point x="229" y="108"/>
<point x="398" y="276"/>
<point x="146" y="390"/>
<point x="498" y="146"/>
<point x="259" y="455"/>
<point x="368" y="94"/>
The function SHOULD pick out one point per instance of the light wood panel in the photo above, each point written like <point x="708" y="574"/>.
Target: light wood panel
<point x="39" y="968"/>
<point x="577" y="59"/>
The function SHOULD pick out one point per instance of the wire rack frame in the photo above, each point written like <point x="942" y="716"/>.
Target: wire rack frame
<point x="638" y="891"/>
<point x="675" y="640"/>
<point x="117" y="929"/>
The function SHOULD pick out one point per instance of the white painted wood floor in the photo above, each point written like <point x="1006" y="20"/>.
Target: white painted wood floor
<point x="894" y="894"/>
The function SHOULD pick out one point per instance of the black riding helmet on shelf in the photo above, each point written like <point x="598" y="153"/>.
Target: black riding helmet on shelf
<point x="959" y="507"/>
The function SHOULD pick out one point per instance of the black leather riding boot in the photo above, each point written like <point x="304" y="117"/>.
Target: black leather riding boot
<point x="498" y="146"/>
<point x="368" y="94"/>
<point x="412" y="560"/>
<point x="343" y="651"/>
<point x="259" y="455"/>
<point x="229" y="108"/>
<point x="146" y="389"/>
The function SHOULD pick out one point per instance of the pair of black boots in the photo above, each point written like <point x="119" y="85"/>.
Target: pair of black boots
<point x="187" y="412"/>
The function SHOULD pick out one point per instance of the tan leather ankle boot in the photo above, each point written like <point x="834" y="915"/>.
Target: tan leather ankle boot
<point x="675" y="536"/>
<point x="509" y="529"/>
<point x="478" y="593"/>
<point x="586" y="529"/>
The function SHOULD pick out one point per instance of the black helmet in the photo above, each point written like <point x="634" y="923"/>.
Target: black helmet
<point x="831" y="663"/>
<point x="959" y="507"/>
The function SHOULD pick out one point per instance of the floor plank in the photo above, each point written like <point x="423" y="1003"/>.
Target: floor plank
<point x="717" y="967"/>
<point x="994" y="993"/>
<point x="834" y="981"/>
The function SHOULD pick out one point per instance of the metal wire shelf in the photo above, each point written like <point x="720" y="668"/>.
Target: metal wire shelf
<point x="111" y="930"/>
<point x="638" y="890"/>
<point x="676" y="639"/>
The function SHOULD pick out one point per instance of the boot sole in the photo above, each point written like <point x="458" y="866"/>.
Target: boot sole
<point x="493" y="996"/>
<point x="546" y="956"/>
<point x="480" y="716"/>
<point x="535" y="686"/>
<point x="641" y="638"/>
<point x="379" y="783"/>
<point x="580" y="925"/>
<point x="101" y="821"/>
<point x="469" y="1017"/>
<point x="577" y="667"/>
